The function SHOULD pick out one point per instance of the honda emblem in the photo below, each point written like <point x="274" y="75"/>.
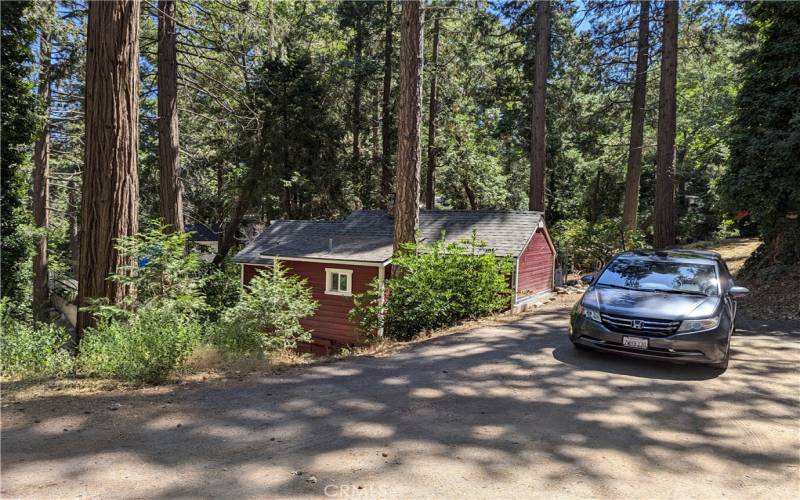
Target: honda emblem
<point x="637" y="324"/>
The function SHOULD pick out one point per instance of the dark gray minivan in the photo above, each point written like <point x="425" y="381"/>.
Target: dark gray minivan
<point x="674" y="305"/>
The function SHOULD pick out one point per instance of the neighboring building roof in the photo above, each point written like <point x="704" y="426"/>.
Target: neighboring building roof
<point x="203" y="232"/>
<point x="505" y="232"/>
<point x="368" y="235"/>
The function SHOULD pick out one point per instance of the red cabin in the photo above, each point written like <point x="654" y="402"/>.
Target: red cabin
<point x="340" y="258"/>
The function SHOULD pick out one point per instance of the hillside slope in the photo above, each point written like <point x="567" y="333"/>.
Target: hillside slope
<point x="774" y="291"/>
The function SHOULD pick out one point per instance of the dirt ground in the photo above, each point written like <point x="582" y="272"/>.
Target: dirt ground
<point x="501" y="409"/>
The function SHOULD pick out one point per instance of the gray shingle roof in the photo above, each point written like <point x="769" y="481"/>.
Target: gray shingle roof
<point x="203" y="232"/>
<point x="368" y="235"/>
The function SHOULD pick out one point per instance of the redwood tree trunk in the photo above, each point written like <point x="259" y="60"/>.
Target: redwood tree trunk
<point x="538" y="116"/>
<point x="386" y="121"/>
<point x="631" y="204"/>
<point x="430" y="185"/>
<point x="664" y="224"/>
<point x="406" y="213"/>
<point x="109" y="204"/>
<point x="41" y="187"/>
<point x="171" y="202"/>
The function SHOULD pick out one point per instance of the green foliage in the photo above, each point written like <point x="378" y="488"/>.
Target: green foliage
<point x="18" y="123"/>
<point x="588" y="246"/>
<point x="144" y="346"/>
<point x="32" y="349"/>
<point x="368" y="311"/>
<point x="267" y="317"/>
<point x="437" y="286"/>
<point x="221" y="286"/>
<point x="727" y="229"/>
<point x="765" y="143"/>
<point x="299" y="150"/>
<point x="155" y="330"/>
<point x="164" y="270"/>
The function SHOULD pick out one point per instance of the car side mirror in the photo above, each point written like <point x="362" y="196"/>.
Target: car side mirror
<point x="738" y="291"/>
<point x="588" y="279"/>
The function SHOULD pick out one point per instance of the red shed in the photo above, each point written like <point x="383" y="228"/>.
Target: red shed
<point x="341" y="258"/>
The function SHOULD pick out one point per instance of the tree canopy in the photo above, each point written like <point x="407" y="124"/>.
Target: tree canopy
<point x="290" y="109"/>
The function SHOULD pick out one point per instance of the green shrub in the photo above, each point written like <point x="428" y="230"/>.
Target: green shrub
<point x="153" y="331"/>
<point x="588" y="246"/>
<point x="267" y="316"/>
<point x="32" y="350"/>
<point x="727" y="229"/>
<point x="368" y="312"/>
<point x="437" y="285"/>
<point x="144" y="346"/>
<point x="163" y="269"/>
<point x="221" y="287"/>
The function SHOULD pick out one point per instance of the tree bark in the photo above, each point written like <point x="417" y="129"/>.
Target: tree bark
<point x="430" y="185"/>
<point x="109" y="204"/>
<point x="634" y="173"/>
<point x="406" y="213"/>
<point x="386" y="124"/>
<point x="473" y="203"/>
<point x="41" y="185"/>
<point x="247" y="195"/>
<point x="538" y="115"/>
<point x="171" y="201"/>
<point x="375" y="158"/>
<point x="356" y="119"/>
<point x="73" y="231"/>
<point x="242" y="204"/>
<point x="664" y="224"/>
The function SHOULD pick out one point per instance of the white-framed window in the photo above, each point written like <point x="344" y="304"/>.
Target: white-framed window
<point x="338" y="281"/>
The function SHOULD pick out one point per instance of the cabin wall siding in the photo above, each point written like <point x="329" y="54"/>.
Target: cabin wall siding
<point x="536" y="264"/>
<point x="330" y="321"/>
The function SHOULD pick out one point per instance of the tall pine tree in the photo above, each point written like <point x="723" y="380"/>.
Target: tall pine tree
<point x="664" y="224"/>
<point x="18" y="122"/>
<point x="409" y="161"/>
<point x="765" y="136"/>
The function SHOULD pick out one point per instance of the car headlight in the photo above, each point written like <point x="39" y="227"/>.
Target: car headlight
<point x="588" y="312"/>
<point x="699" y="325"/>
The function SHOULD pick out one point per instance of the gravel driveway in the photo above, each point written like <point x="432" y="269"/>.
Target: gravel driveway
<point x="500" y="411"/>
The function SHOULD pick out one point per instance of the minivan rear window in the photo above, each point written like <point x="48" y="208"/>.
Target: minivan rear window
<point x="661" y="275"/>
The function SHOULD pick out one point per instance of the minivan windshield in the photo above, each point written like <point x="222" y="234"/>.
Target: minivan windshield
<point x="640" y="273"/>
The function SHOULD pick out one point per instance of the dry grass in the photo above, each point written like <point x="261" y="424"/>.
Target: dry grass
<point x="207" y="364"/>
<point x="773" y="290"/>
<point x="735" y="251"/>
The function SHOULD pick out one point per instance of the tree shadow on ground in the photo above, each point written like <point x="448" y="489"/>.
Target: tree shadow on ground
<point x="497" y="405"/>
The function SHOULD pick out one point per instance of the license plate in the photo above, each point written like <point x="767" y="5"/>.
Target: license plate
<point x="635" y="342"/>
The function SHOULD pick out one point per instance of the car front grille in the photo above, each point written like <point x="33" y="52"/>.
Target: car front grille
<point x="640" y="326"/>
